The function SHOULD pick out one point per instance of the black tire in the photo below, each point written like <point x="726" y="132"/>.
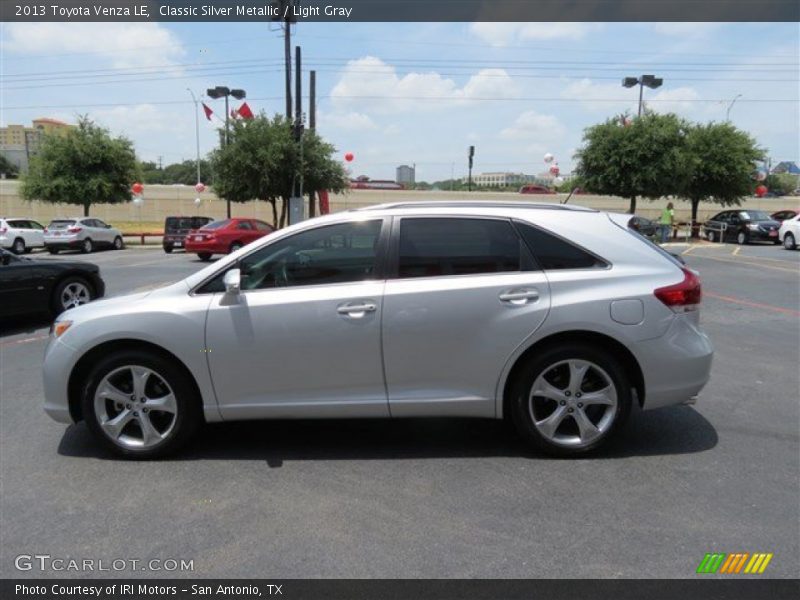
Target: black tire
<point x="168" y="249"/>
<point x="741" y="238"/>
<point x="204" y="256"/>
<point x="87" y="246"/>
<point x="28" y="250"/>
<point x="189" y="417"/>
<point x="710" y="235"/>
<point x="18" y="247"/>
<point x="56" y="305"/>
<point x="789" y="242"/>
<point x="235" y="246"/>
<point x="118" y="243"/>
<point x="52" y="250"/>
<point x="541" y="362"/>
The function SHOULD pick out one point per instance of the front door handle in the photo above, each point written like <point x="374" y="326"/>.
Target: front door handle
<point x="520" y="297"/>
<point x="356" y="311"/>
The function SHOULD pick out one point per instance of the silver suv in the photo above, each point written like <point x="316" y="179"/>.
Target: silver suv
<point x="557" y="318"/>
<point x="84" y="234"/>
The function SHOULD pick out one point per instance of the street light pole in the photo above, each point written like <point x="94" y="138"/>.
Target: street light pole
<point x="730" y="106"/>
<point x="219" y="92"/>
<point x="196" y="130"/>
<point x="650" y="81"/>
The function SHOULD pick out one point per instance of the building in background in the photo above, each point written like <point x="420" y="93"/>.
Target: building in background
<point x="18" y="143"/>
<point x="406" y="176"/>
<point x="501" y="179"/>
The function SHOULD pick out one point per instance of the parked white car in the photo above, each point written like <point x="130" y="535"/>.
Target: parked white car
<point x="84" y="234"/>
<point x="789" y="233"/>
<point x="20" y="235"/>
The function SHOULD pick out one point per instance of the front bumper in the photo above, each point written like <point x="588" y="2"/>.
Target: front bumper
<point x="763" y="236"/>
<point x="59" y="360"/>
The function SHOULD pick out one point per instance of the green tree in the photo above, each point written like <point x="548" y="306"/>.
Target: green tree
<point x="8" y="168"/>
<point x="721" y="160"/>
<point x="782" y="183"/>
<point x="83" y="167"/>
<point x="262" y="157"/>
<point x="643" y="158"/>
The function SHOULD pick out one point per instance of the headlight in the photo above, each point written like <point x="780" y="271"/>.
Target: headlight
<point x="59" y="328"/>
<point x="752" y="226"/>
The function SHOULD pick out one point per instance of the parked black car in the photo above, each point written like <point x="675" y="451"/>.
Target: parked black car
<point x="30" y="285"/>
<point x="742" y="227"/>
<point x="645" y="227"/>
<point x="176" y="228"/>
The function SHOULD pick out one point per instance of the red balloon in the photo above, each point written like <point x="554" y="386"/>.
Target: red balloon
<point x="554" y="170"/>
<point x="761" y="191"/>
<point x="349" y="157"/>
<point x="200" y="188"/>
<point x="137" y="188"/>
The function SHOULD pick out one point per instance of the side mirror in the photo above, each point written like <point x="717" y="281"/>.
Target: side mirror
<point x="6" y="259"/>
<point x="232" y="281"/>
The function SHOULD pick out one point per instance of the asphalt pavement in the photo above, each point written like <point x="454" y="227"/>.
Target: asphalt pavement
<point x="435" y="498"/>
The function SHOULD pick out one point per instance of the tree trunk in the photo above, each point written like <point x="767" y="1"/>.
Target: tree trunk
<point x="632" y="207"/>
<point x="312" y="207"/>
<point x="86" y="209"/>
<point x="274" y="213"/>
<point x="283" y="213"/>
<point x="695" y="206"/>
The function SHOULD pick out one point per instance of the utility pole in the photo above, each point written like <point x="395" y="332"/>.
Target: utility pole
<point x="296" y="201"/>
<point x="286" y="8"/>
<point x="469" y="176"/>
<point x="312" y="124"/>
<point x="196" y="130"/>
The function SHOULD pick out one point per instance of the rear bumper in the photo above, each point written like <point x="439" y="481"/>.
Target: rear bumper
<point x="211" y="248"/>
<point x="62" y="243"/>
<point x="675" y="366"/>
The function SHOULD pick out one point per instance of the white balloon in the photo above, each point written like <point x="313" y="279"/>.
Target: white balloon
<point x="197" y="201"/>
<point x="138" y="200"/>
<point x="548" y="158"/>
<point x="558" y="180"/>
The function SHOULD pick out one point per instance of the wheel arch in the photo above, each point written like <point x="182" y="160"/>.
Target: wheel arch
<point x="82" y="368"/>
<point x="600" y="340"/>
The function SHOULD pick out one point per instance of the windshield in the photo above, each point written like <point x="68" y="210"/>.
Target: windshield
<point x="178" y="223"/>
<point x="217" y="224"/>
<point x="755" y="215"/>
<point x="61" y="223"/>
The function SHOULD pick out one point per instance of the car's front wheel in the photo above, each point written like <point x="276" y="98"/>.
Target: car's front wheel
<point x="70" y="293"/>
<point x="118" y="243"/>
<point x="788" y="242"/>
<point x="87" y="246"/>
<point x="52" y="250"/>
<point x="710" y="236"/>
<point x="204" y="256"/>
<point x="140" y="405"/>
<point x="741" y="238"/>
<point x="19" y="246"/>
<point x="569" y="399"/>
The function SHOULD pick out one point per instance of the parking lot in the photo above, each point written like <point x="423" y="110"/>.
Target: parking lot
<point x="441" y="498"/>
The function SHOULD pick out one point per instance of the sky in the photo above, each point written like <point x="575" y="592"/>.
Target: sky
<point x="408" y="93"/>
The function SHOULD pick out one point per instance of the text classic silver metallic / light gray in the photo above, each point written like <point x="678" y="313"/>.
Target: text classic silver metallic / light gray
<point x="558" y="318"/>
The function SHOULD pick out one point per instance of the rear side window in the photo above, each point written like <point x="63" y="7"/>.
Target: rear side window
<point x="553" y="252"/>
<point x="438" y="247"/>
<point x="217" y="224"/>
<point x="261" y="226"/>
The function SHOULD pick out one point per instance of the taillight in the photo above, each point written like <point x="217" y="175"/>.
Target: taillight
<point x="74" y="229"/>
<point x="46" y="230"/>
<point x="684" y="296"/>
<point x="3" y="229"/>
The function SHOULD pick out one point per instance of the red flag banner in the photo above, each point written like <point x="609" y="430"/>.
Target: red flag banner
<point x="245" y="112"/>
<point x="207" y="110"/>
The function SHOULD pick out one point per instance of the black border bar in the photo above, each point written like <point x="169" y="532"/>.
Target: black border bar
<point x="416" y="589"/>
<point x="403" y="10"/>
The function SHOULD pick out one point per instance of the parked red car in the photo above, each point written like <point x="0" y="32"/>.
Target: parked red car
<point x="222" y="237"/>
<point x="535" y="189"/>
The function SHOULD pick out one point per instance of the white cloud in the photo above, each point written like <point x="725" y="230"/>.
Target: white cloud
<point x="677" y="100"/>
<point x="507" y="34"/>
<point x="137" y="119"/>
<point x="375" y="86"/>
<point x="535" y="127"/>
<point x="685" y="29"/>
<point x="120" y="44"/>
<point x="348" y="121"/>
<point x="595" y="96"/>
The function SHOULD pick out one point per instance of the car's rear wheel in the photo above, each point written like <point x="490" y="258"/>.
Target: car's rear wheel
<point x="71" y="292"/>
<point x="140" y="405"/>
<point x="52" y="250"/>
<point x="168" y="249"/>
<point x="569" y="400"/>
<point x="741" y="238"/>
<point x="235" y="246"/>
<point x="788" y="242"/>
<point x="118" y="244"/>
<point x="18" y="247"/>
<point x="87" y="246"/>
<point x="204" y="256"/>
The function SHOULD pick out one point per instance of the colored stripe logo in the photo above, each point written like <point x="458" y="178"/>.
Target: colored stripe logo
<point x="735" y="563"/>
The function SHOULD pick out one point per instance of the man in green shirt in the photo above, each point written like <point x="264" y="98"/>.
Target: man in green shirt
<point x="667" y="221"/>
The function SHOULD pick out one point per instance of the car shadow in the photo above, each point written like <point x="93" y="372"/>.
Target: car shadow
<point x="676" y="430"/>
<point x="24" y="324"/>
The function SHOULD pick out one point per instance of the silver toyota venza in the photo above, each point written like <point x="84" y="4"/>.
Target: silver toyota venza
<point x="558" y="318"/>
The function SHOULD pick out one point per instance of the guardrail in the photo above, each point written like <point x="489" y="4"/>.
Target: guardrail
<point x="143" y="234"/>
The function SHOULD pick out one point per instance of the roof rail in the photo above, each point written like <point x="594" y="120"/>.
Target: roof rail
<point x="478" y="204"/>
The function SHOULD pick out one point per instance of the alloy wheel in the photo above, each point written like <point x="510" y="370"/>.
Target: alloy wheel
<point x="19" y="247"/>
<point x="573" y="402"/>
<point x="135" y="407"/>
<point x="74" y="294"/>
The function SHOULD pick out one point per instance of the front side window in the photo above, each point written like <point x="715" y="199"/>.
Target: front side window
<point x="433" y="247"/>
<point x="342" y="253"/>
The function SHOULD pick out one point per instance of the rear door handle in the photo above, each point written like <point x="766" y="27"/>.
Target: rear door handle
<point x="356" y="311"/>
<point x="519" y="297"/>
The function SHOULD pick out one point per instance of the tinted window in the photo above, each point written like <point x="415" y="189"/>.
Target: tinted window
<point x="332" y="254"/>
<point x="261" y="226"/>
<point x="438" y="246"/>
<point x="755" y="215"/>
<point x="61" y="224"/>
<point x="244" y="225"/>
<point x="553" y="252"/>
<point x="198" y="222"/>
<point x="217" y="224"/>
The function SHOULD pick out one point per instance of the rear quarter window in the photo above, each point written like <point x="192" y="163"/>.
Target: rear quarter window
<point x="555" y="253"/>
